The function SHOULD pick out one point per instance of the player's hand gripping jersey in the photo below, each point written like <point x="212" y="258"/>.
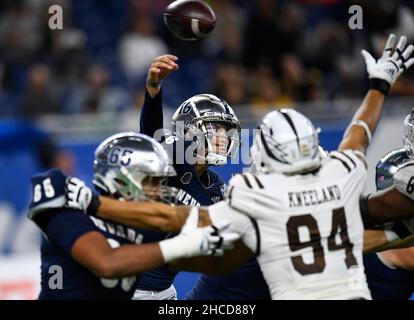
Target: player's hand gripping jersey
<point x="307" y="229"/>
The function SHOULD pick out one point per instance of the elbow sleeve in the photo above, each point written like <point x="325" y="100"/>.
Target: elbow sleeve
<point x="365" y="214"/>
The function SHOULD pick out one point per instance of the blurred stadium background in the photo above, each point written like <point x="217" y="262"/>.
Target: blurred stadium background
<point x="63" y="91"/>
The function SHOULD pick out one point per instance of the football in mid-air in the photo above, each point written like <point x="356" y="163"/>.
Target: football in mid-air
<point x="190" y="19"/>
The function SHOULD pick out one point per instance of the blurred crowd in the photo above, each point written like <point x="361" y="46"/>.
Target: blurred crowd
<point x="261" y="53"/>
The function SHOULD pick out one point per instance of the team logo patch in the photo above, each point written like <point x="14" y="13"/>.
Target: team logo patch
<point x="186" y="178"/>
<point x="304" y="150"/>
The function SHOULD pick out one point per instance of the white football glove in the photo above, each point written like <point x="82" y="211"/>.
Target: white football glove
<point x="78" y="194"/>
<point x="193" y="241"/>
<point x="392" y="62"/>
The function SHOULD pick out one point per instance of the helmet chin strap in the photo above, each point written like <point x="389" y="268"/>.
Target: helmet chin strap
<point x="216" y="159"/>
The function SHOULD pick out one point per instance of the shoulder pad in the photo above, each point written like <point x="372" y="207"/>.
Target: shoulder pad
<point x="246" y="180"/>
<point x="215" y="178"/>
<point x="237" y="181"/>
<point x="404" y="179"/>
<point x="48" y="192"/>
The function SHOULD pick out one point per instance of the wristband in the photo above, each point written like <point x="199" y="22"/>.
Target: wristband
<point x="153" y="84"/>
<point x="380" y="85"/>
<point x="174" y="248"/>
<point x="92" y="209"/>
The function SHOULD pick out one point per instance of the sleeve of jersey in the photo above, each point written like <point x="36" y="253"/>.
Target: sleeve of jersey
<point x="245" y="226"/>
<point x="67" y="226"/>
<point x="404" y="179"/>
<point x="48" y="194"/>
<point x="355" y="163"/>
<point x="175" y="149"/>
<point x="244" y="199"/>
<point x="351" y="159"/>
<point x="151" y="117"/>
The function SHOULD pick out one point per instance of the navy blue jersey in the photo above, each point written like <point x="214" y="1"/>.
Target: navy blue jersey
<point x="61" y="227"/>
<point x="194" y="191"/>
<point x="387" y="283"/>
<point x="244" y="283"/>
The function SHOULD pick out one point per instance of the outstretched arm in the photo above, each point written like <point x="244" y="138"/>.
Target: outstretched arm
<point x="382" y="74"/>
<point x="151" y="118"/>
<point x="385" y="239"/>
<point x="146" y="214"/>
<point x="142" y="214"/>
<point x="93" y="251"/>
<point x="387" y="205"/>
<point x="76" y="235"/>
<point x="130" y="213"/>
<point x="356" y="137"/>
<point x="191" y="241"/>
<point x="232" y="259"/>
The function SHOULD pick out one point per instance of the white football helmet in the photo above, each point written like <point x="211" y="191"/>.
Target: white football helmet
<point x="122" y="163"/>
<point x="286" y="142"/>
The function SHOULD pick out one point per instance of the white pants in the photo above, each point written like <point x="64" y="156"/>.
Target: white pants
<point x="167" y="294"/>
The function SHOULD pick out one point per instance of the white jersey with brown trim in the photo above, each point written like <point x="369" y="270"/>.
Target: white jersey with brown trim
<point x="308" y="228"/>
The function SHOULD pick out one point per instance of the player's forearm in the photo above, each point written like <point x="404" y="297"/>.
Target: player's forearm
<point x="389" y="205"/>
<point x="400" y="258"/>
<point x="182" y="213"/>
<point x="130" y="260"/>
<point x="398" y="244"/>
<point x="93" y="252"/>
<point x="152" y="91"/>
<point x="356" y="138"/>
<point x="371" y="109"/>
<point x="374" y="240"/>
<point x="151" y="215"/>
<point x="151" y="118"/>
<point x="381" y="240"/>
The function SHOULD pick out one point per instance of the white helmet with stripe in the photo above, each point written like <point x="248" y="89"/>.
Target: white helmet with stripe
<point x="286" y="142"/>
